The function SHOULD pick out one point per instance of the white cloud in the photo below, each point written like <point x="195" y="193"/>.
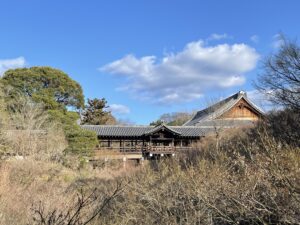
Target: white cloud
<point x="278" y="41"/>
<point x="185" y="75"/>
<point x="219" y="37"/>
<point x="6" y="64"/>
<point x="254" y="38"/>
<point x="119" y="109"/>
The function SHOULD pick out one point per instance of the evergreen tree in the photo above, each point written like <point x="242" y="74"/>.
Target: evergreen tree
<point x="57" y="92"/>
<point x="52" y="87"/>
<point x="95" y="113"/>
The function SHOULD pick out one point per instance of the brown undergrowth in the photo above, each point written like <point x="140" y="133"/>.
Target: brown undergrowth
<point x="249" y="179"/>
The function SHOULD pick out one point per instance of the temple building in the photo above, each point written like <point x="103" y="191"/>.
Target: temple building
<point x="149" y="140"/>
<point x="234" y="111"/>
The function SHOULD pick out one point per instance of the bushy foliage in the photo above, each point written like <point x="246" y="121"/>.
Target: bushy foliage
<point x="51" y="92"/>
<point x="79" y="141"/>
<point x="46" y="85"/>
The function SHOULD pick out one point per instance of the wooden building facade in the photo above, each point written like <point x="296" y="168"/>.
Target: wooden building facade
<point x="148" y="140"/>
<point x="234" y="111"/>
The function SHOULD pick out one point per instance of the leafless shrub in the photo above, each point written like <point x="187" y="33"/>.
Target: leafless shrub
<point x="248" y="178"/>
<point x="24" y="182"/>
<point x="284" y="126"/>
<point x="29" y="132"/>
<point x="86" y="208"/>
<point x="247" y="182"/>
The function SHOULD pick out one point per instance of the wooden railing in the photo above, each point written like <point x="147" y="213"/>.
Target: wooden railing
<point x="160" y="149"/>
<point x="146" y="149"/>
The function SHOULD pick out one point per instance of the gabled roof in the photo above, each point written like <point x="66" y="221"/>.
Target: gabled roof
<point x="136" y="131"/>
<point x="215" y="111"/>
<point x="162" y="127"/>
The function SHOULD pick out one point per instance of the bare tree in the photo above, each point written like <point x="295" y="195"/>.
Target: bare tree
<point x="30" y="132"/>
<point x="85" y="209"/>
<point x="280" y="80"/>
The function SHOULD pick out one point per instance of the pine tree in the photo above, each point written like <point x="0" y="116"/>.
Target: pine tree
<point x="96" y="113"/>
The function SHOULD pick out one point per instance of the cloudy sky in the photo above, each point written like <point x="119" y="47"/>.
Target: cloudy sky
<point x="148" y="57"/>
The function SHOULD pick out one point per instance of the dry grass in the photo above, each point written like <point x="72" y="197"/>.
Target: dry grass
<point x="25" y="183"/>
<point x="247" y="178"/>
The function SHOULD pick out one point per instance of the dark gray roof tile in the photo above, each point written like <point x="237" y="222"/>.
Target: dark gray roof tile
<point x="136" y="131"/>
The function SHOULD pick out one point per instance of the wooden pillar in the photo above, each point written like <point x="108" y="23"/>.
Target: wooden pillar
<point x="122" y="145"/>
<point x="172" y="145"/>
<point x="136" y="145"/>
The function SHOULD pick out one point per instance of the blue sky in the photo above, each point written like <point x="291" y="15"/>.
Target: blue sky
<point x="148" y="57"/>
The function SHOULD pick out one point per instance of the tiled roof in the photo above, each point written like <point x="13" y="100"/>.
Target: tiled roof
<point x="226" y="123"/>
<point x="136" y="131"/>
<point x="162" y="126"/>
<point x="203" y="123"/>
<point x="119" y="131"/>
<point x="189" y="131"/>
<point x="213" y="112"/>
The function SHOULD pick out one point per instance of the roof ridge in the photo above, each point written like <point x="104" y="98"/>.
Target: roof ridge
<point x="212" y="110"/>
<point x="104" y="125"/>
<point x="107" y="130"/>
<point x="161" y="126"/>
<point x="254" y="105"/>
<point x="139" y="126"/>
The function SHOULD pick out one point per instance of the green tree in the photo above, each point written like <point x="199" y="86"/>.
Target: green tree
<point x="52" y="87"/>
<point x="79" y="141"/>
<point x="57" y="92"/>
<point x="95" y="113"/>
